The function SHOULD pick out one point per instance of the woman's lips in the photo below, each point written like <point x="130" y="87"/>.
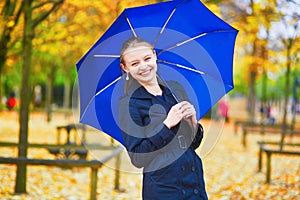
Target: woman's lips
<point x="145" y="73"/>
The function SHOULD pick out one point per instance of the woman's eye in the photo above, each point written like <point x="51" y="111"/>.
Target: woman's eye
<point x="134" y="64"/>
<point x="147" y="58"/>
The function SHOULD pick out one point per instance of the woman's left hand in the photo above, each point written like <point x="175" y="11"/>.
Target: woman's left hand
<point x="189" y="113"/>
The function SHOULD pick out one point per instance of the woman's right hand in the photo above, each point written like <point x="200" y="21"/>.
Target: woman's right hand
<point x="174" y="116"/>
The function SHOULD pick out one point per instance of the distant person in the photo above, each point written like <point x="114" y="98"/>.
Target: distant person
<point x="270" y="115"/>
<point x="223" y="109"/>
<point x="215" y="112"/>
<point x="11" y="102"/>
<point x="4" y="100"/>
<point x="37" y="96"/>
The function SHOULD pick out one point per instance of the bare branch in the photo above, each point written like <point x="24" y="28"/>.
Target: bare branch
<point x="43" y="16"/>
<point x="5" y="38"/>
<point x="292" y="1"/>
<point x="19" y="13"/>
<point x="44" y="3"/>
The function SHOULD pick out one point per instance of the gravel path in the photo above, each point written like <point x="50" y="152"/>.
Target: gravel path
<point x="230" y="170"/>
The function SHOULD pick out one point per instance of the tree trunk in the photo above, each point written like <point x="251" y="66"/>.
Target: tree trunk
<point x="1" y="92"/>
<point x="286" y="92"/>
<point x="264" y="104"/>
<point x="67" y="93"/>
<point x="264" y="97"/>
<point x="49" y="93"/>
<point x="287" y="85"/>
<point x="20" y="186"/>
<point x="295" y="101"/>
<point x="26" y="87"/>
<point x="251" y="95"/>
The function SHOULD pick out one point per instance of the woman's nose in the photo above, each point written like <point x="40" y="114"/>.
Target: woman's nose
<point x="143" y="65"/>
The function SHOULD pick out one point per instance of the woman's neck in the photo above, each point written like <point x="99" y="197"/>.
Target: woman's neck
<point x="153" y="88"/>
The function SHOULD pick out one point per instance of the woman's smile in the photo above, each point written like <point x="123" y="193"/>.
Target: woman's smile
<point x="141" y="64"/>
<point x="146" y="73"/>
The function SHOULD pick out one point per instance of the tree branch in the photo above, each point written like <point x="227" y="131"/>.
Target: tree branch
<point x="6" y="33"/>
<point x="19" y="13"/>
<point x="44" y="3"/>
<point x="292" y="1"/>
<point x="43" y="16"/>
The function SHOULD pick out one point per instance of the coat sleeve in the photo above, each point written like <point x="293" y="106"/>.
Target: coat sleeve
<point x="141" y="148"/>
<point x="182" y="96"/>
<point x="198" y="137"/>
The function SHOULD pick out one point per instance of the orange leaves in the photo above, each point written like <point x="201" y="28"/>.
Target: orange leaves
<point x="230" y="170"/>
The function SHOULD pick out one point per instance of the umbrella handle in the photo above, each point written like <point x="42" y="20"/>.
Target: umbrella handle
<point x="177" y="100"/>
<point x="166" y="84"/>
<point x="193" y="129"/>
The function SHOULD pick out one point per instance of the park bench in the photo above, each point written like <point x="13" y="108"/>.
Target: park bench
<point x="238" y="123"/>
<point x="262" y="129"/>
<point x="68" y="151"/>
<point x="241" y="123"/>
<point x="94" y="165"/>
<point x="264" y="147"/>
<point x="70" y="147"/>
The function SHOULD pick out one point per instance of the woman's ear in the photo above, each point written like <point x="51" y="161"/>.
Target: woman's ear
<point x="154" y="53"/>
<point x="123" y="67"/>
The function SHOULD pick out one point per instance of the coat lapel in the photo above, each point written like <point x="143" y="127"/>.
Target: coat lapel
<point x="171" y="91"/>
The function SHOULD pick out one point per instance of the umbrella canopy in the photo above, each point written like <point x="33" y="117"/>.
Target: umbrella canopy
<point x="194" y="47"/>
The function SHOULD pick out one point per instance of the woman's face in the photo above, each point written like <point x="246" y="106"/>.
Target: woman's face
<point x="140" y="62"/>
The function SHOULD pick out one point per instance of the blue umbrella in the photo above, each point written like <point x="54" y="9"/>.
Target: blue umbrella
<point x="194" y="47"/>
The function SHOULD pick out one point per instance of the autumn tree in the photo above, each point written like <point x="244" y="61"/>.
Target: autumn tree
<point x="74" y="28"/>
<point x="291" y="24"/>
<point x="34" y="13"/>
<point x="10" y="14"/>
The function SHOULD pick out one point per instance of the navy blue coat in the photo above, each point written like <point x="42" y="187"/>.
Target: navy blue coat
<point x="171" y="168"/>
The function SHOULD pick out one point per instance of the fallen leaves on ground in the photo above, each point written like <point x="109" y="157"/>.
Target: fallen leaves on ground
<point x="230" y="169"/>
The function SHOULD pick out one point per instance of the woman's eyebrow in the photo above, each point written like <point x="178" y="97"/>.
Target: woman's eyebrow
<point x="148" y="55"/>
<point x="132" y="61"/>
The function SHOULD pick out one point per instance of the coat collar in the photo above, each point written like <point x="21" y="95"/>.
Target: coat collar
<point x="137" y="91"/>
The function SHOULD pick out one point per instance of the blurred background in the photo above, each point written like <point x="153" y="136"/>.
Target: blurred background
<point x="41" y="40"/>
<point x="38" y="58"/>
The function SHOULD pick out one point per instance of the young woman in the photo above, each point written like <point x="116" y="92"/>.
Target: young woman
<point x="160" y="134"/>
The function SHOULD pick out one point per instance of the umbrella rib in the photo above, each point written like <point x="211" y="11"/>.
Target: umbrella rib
<point x="163" y="28"/>
<point x="131" y="27"/>
<point x="85" y="110"/>
<point x="117" y="79"/>
<point x="181" y="66"/>
<point x="191" y="39"/>
<point x="106" y="56"/>
<point x="194" y="70"/>
<point x="167" y="21"/>
<point x="188" y="68"/>
<point x="181" y="43"/>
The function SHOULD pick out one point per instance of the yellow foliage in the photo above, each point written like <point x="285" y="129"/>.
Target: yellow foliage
<point x="10" y="23"/>
<point x="229" y="169"/>
<point x="10" y="62"/>
<point x="214" y="8"/>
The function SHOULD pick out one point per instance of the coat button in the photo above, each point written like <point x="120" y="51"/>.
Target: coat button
<point x="196" y="191"/>
<point x="183" y="191"/>
<point x="193" y="168"/>
<point x="182" y="168"/>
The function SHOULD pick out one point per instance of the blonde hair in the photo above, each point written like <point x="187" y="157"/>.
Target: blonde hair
<point x="133" y="42"/>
